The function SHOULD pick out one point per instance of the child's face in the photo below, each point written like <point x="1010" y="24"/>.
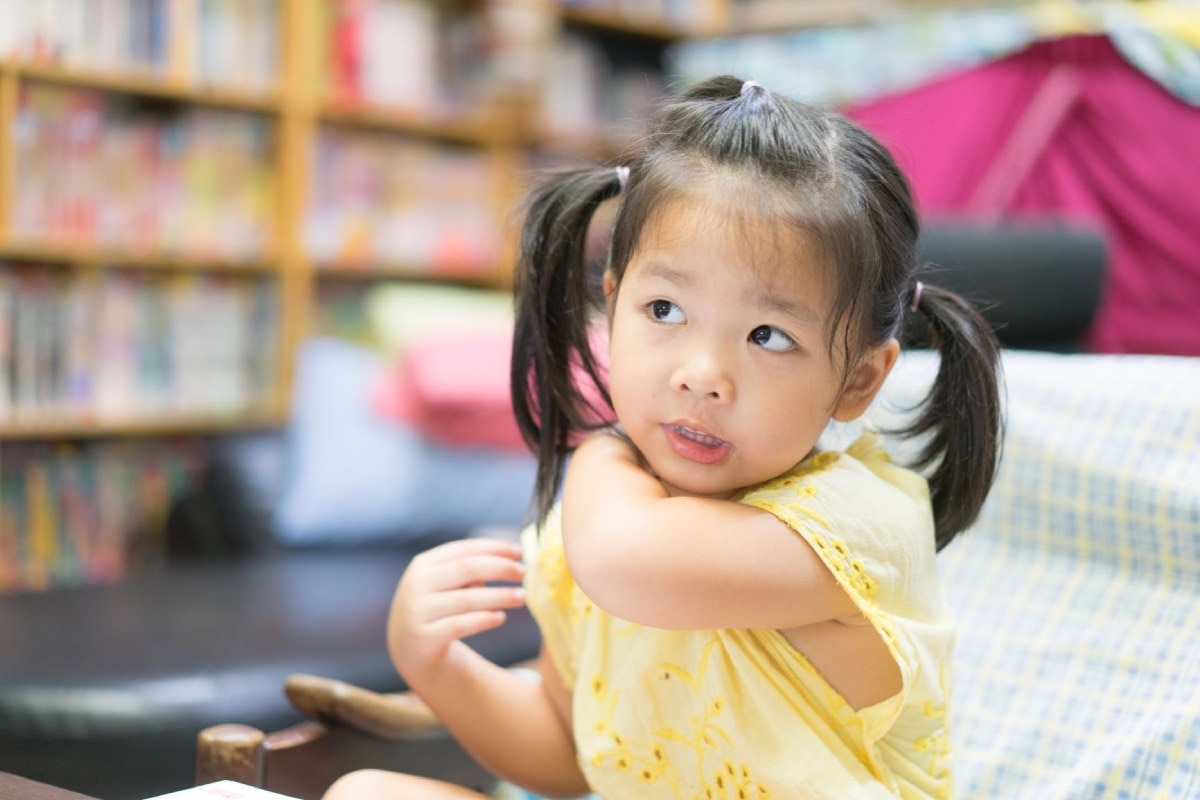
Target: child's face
<point x="719" y="366"/>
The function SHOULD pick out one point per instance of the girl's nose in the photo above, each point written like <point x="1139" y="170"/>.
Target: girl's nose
<point x="703" y="373"/>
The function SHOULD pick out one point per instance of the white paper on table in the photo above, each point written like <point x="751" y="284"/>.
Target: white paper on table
<point x="222" y="790"/>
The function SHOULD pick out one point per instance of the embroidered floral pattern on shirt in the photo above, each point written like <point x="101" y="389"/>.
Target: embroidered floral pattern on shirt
<point x="936" y="746"/>
<point x="672" y="752"/>
<point x="800" y="516"/>
<point x="560" y="589"/>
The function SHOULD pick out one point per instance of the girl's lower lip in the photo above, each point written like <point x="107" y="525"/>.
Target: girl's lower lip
<point x="696" y="446"/>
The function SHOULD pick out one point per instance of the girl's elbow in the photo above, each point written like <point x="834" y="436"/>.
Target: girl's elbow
<point x="593" y="568"/>
<point x="606" y="586"/>
<point x="625" y="601"/>
<point x="596" y="583"/>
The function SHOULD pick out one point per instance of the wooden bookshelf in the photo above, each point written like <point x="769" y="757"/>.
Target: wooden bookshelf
<point x="91" y="257"/>
<point x="333" y="271"/>
<point x="67" y="428"/>
<point x="781" y="16"/>
<point x="146" y="84"/>
<point x="614" y="22"/>
<point x="473" y="128"/>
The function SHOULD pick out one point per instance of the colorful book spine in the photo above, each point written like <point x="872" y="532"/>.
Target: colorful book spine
<point x="229" y="44"/>
<point x="345" y="49"/>
<point x="83" y="514"/>
<point x="124" y="346"/>
<point x="91" y="171"/>
<point x="381" y="200"/>
<point x="586" y="91"/>
<point x="420" y="56"/>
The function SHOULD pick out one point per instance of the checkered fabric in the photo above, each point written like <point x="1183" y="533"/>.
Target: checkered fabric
<point x="1077" y="671"/>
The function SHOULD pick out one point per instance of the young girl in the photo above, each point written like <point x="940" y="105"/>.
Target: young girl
<point x="728" y="611"/>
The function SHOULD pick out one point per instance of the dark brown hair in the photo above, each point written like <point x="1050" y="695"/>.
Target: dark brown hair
<point x="838" y="185"/>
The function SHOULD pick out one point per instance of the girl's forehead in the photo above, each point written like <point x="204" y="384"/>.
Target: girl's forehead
<point x="735" y="205"/>
<point x="769" y="247"/>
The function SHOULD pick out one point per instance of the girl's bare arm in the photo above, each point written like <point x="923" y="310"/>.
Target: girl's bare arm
<point x="512" y="725"/>
<point x="507" y="722"/>
<point x="685" y="562"/>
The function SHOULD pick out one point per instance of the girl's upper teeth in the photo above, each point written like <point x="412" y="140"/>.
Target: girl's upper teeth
<point x="697" y="436"/>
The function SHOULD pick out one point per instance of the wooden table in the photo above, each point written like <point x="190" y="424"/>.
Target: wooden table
<point x="14" y="787"/>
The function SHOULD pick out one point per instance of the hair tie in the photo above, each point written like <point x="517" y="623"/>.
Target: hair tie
<point x="918" y="287"/>
<point x="748" y="85"/>
<point x="622" y="177"/>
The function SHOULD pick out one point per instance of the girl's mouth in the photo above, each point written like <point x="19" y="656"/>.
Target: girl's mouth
<point x="696" y="445"/>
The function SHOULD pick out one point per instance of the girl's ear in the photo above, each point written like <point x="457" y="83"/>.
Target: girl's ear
<point x="865" y="380"/>
<point x="610" y="291"/>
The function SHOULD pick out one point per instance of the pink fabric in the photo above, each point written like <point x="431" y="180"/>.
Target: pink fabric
<point x="454" y="389"/>
<point x="1068" y="129"/>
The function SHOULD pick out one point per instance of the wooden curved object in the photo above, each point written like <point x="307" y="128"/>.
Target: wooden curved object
<point x="387" y="716"/>
<point x="347" y="728"/>
<point x="229" y="752"/>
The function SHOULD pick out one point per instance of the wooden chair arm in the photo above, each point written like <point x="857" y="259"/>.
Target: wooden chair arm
<point x="348" y="728"/>
<point x="386" y="716"/>
<point x="402" y="715"/>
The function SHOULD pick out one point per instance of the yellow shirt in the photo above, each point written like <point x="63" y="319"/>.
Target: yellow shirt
<point x="741" y="714"/>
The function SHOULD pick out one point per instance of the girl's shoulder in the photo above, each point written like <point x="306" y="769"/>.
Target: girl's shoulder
<point x="859" y="493"/>
<point x="865" y="463"/>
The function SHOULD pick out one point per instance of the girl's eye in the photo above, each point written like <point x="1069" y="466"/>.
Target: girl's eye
<point x="772" y="338"/>
<point x="666" y="311"/>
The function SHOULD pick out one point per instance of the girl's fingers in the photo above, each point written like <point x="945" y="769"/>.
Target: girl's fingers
<point x="460" y="626"/>
<point x="461" y="548"/>
<point x="467" y="601"/>
<point x="473" y="570"/>
<point x="445" y="594"/>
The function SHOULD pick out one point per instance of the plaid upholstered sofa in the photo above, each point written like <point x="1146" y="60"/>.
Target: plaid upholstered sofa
<point x="1077" y="669"/>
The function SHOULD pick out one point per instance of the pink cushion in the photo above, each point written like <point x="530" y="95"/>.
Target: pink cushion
<point x="454" y="389"/>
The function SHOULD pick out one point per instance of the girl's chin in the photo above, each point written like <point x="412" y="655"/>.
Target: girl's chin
<point x="690" y="489"/>
<point x="679" y="483"/>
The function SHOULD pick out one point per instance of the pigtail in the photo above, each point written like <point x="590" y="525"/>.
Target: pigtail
<point x="553" y="309"/>
<point x="962" y="413"/>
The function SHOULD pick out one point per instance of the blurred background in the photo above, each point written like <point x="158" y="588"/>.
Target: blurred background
<point x="193" y="191"/>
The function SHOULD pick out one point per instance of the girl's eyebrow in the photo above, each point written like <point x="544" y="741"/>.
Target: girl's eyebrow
<point x="798" y="311"/>
<point x="655" y="269"/>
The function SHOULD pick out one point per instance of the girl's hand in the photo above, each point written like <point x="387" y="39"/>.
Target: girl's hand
<point x="442" y="598"/>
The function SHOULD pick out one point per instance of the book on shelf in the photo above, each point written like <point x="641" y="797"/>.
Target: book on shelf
<point x="119" y="346"/>
<point x="383" y="53"/>
<point x="383" y="199"/>
<point x="585" y="91"/>
<point x="92" y="169"/>
<point x="421" y="56"/>
<point x="72" y="515"/>
<point x="231" y="44"/>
